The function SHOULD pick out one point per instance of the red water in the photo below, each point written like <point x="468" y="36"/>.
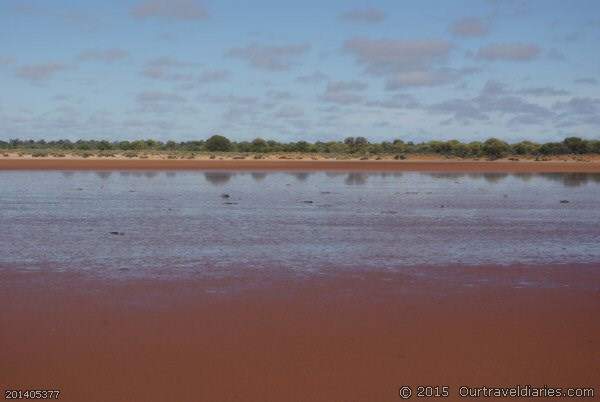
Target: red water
<point x="262" y="296"/>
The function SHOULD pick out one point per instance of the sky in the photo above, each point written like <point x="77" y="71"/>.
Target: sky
<point x="300" y="70"/>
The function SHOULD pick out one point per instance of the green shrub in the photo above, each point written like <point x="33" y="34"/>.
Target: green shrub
<point x="553" y="148"/>
<point x="525" y="148"/>
<point x="576" y="145"/>
<point x="495" y="148"/>
<point x="218" y="143"/>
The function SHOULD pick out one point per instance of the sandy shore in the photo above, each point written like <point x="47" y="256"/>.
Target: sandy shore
<point x="428" y="164"/>
<point x="352" y="338"/>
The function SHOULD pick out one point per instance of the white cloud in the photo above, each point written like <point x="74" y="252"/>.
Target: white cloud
<point x="344" y="92"/>
<point x="158" y="102"/>
<point x="271" y="58"/>
<point x="314" y="78"/>
<point x="209" y="76"/>
<point x="419" y="79"/>
<point x="382" y="56"/>
<point x="470" y="27"/>
<point x="364" y="15"/>
<point x="508" y="52"/>
<point x="39" y="72"/>
<point x="106" y="56"/>
<point x="586" y="81"/>
<point x="182" y="10"/>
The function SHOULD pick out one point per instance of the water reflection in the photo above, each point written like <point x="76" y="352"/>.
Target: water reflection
<point x="301" y="176"/>
<point x="567" y="179"/>
<point x="104" y="174"/>
<point x="572" y="179"/>
<point x="391" y="174"/>
<point x="356" y="179"/>
<point x="258" y="176"/>
<point x="524" y="176"/>
<point x="494" y="178"/>
<point x="348" y="219"/>
<point x="218" y="178"/>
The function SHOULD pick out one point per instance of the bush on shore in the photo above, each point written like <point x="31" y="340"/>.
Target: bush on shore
<point x="492" y="148"/>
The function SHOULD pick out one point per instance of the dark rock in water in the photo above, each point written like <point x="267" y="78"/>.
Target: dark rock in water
<point x="308" y="202"/>
<point x="117" y="233"/>
<point x="225" y="195"/>
<point x="564" y="201"/>
<point x="325" y="192"/>
<point x="230" y="203"/>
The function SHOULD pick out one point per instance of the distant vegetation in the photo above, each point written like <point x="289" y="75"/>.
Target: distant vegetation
<point x="493" y="148"/>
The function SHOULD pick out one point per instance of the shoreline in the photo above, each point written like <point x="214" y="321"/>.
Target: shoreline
<point x="429" y="165"/>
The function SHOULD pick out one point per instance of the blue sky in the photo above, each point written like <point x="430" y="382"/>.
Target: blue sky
<point x="311" y="70"/>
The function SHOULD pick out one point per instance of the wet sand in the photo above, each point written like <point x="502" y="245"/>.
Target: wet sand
<point x="426" y="165"/>
<point x="331" y="338"/>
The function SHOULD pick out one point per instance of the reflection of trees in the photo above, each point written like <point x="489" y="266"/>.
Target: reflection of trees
<point x="572" y="179"/>
<point x="258" y="176"/>
<point x="567" y="179"/>
<point x="524" y="176"/>
<point x="150" y="174"/>
<point x="68" y="174"/>
<point x="301" y="176"/>
<point x="170" y="174"/>
<point x="395" y="175"/>
<point x="356" y="179"/>
<point x="489" y="177"/>
<point x="494" y="178"/>
<point x="103" y="175"/>
<point x="217" y="178"/>
<point x="446" y="175"/>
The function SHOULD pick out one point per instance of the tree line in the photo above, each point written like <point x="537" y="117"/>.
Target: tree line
<point x="492" y="148"/>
